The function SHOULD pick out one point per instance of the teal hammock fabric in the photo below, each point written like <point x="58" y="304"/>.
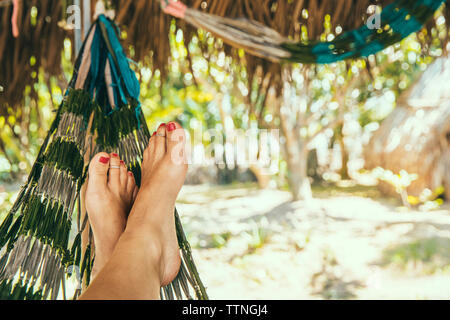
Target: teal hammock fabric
<point x="398" y="20"/>
<point x="40" y="244"/>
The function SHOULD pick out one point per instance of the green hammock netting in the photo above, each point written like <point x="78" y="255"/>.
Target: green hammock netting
<point x="100" y="112"/>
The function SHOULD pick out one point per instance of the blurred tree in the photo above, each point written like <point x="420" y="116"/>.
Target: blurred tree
<point x="314" y="100"/>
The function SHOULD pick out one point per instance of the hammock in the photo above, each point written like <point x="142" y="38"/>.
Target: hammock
<point x="398" y="20"/>
<point x="100" y="112"/>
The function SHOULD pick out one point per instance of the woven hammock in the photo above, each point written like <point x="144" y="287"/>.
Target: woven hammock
<point x="100" y="112"/>
<point x="398" y="20"/>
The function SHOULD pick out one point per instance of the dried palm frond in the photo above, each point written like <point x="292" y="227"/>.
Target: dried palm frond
<point x="40" y="44"/>
<point x="252" y="36"/>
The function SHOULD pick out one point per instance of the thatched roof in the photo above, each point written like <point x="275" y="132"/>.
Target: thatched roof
<point x="416" y="135"/>
<point x="284" y="16"/>
<point x="40" y="38"/>
<point x="147" y="29"/>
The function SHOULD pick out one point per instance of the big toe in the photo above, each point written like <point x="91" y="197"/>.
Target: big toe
<point x="98" y="169"/>
<point x="176" y="143"/>
<point x="160" y="142"/>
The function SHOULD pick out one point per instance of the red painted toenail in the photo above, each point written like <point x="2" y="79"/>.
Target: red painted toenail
<point x="115" y="155"/>
<point x="171" y="126"/>
<point x="122" y="162"/>
<point x="130" y="174"/>
<point x="153" y="134"/>
<point x="104" y="160"/>
<point x="162" y="125"/>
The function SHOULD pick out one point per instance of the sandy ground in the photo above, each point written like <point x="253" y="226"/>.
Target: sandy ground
<point x="256" y="244"/>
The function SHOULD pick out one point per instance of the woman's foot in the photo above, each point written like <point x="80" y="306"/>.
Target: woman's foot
<point x="110" y="194"/>
<point x="152" y="216"/>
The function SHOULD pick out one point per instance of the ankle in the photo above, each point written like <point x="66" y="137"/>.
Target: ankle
<point x="154" y="193"/>
<point x="148" y="240"/>
<point x="144" y="238"/>
<point x="149" y="212"/>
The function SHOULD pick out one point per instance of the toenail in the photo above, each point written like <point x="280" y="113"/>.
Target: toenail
<point x="115" y="155"/>
<point x="122" y="162"/>
<point x="171" y="126"/>
<point x="104" y="160"/>
<point x="153" y="134"/>
<point x="162" y="125"/>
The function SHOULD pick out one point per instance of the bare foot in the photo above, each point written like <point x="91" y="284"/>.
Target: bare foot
<point x="110" y="193"/>
<point x="152" y="216"/>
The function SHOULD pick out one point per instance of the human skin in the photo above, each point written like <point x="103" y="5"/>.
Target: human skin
<point x="136" y="254"/>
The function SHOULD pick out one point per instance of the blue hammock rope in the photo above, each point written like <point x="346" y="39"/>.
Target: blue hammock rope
<point x="106" y="47"/>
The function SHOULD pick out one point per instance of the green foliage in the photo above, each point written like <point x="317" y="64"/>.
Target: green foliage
<point x="426" y="256"/>
<point x="220" y="240"/>
<point x="6" y="202"/>
<point x="396" y="69"/>
<point x="258" y="236"/>
<point x="426" y="201"/>
<point x="399" y="181"/>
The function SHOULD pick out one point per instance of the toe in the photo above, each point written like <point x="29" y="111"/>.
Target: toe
<point x="135" y="192"/>
<point x="123" y="174"/>
<point x="160" y="142"/>
<point x="148" y="154"/>
<point x="176" y="141"/>
<point x="114" y="172"/>
<point x="98" y="169"/>
<point x="150" y="148"/>
<point x="131" y="183"/>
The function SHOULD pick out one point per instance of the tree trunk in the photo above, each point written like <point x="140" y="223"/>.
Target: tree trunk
<point x="296" y="154"/>
<point x="344" y="158"/>
<point x="262" y="177"/>
<point x="298" y="175"/>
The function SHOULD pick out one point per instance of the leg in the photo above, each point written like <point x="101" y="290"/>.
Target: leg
<point x="146" y="256"/>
